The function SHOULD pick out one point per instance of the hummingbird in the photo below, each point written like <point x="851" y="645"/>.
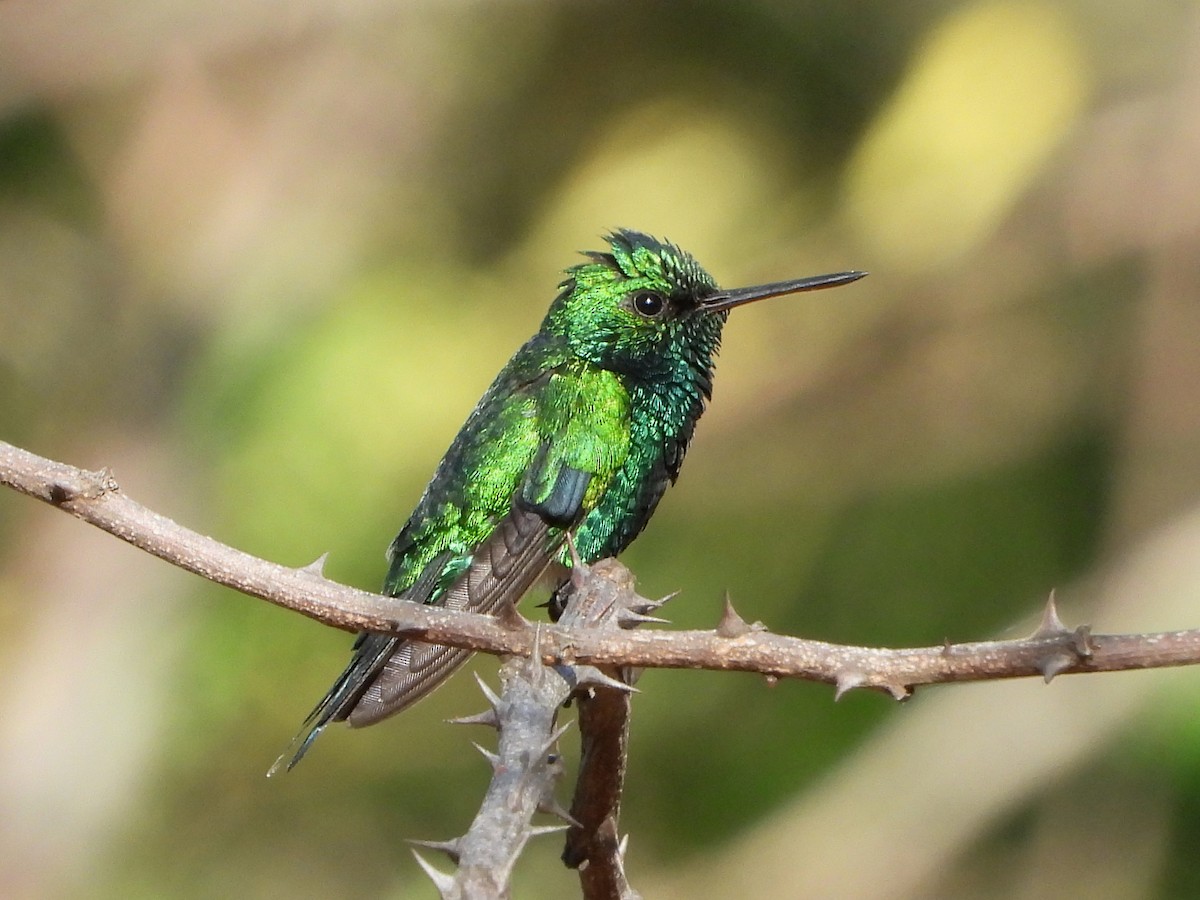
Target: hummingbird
<point x="579" y="435"/>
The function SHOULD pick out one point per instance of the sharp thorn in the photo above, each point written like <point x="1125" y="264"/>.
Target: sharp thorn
<point x="488" y="755"/>
<point x="510" y="617"/>
<point x="1055" y="664"/>
<point x="551" y="806"/>
<point x="488" y="717"/>
<point x="645" y="607"/>
<point x="846" y="682"/>
<point x="539" y="830"/>
<point x="1051" y="625"/>
<point x="606" y="831"/>
<point x="733" y="625"/>
<point x="451" y="848"/>
<point x="317" y="566"/>
<point x="576" y="561"/>
<point x="554" y="737"/>
<point x="442" y="881"/>
<point x="534" y="664"/>
<point x="492" y="699"/>
<point x="664" y="599"/>
<point x="899" y="692"/>
<point x="631" y="618"/>
<point x="591" y="676"/>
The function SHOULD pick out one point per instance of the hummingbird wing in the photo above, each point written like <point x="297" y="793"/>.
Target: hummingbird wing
<point x="388" y="673"/>
<point x="502" y="570"/>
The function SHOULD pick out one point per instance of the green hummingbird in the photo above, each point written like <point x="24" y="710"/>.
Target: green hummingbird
<point x="581" y="433"/>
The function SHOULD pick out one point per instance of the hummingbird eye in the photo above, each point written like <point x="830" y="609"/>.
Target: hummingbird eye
<point x="649" y="304"/>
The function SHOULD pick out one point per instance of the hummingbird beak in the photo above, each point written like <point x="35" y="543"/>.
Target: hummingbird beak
<point x="729" y="299"/>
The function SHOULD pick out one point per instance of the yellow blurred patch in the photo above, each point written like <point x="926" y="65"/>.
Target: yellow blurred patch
<point x="988" y="97"/>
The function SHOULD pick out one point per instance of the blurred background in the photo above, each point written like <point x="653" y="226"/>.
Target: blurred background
<point x="262" y="259"/>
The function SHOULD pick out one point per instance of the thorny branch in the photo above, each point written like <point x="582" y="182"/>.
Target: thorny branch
<point x="525" y="770"/>
<point x="1052" y="650"/>
<point x="526" y="766"/>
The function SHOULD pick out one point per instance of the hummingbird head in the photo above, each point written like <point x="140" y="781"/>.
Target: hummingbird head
<point x="647" y="309"/>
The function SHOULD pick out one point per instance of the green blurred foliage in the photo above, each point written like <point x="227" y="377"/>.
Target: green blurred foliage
<point x="267" y="273"/>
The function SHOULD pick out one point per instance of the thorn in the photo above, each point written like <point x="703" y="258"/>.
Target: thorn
<point x="1081" y="647"/>
<point x="631" y="618"/>
<point x="591" y="676"/>
<point x="947" y="647"/>
<point x="1051" y="625"/>
<point x="645" y="607"/>
<point x="899" y="692"/>
<point x="771" y="680"/>
<point x="664" y="599"/>
<point x="732" y="625"/>
<point x="610" y="839"/>
<point x="451" y="848"/>
<point x="1055" y="664"/>
<point x="551" y="806"/>
<point x="554" y="737"/>
<point x="846" y="682"/>
<point x="510" y="618"/>
<point x="576" y="561"/>
<point x="488" y="755"/>
<point x="534" y="664"/>
<point x="317" y="566"/>
<point x="443" y="882"/>
<point x="488" y="717"/>
<point x="492" y="699"/>
<point x="539" y="830"/>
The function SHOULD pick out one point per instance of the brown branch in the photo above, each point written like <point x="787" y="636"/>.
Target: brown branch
<point x="96" y="498"/>
<point x="603" y="597"/>
<point x="593" y="844"/>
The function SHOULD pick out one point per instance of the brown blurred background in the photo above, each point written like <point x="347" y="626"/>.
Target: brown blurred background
<point x="262" y="259"/>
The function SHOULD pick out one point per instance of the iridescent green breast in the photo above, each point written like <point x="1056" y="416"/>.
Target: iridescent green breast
<point x="545" y="411"/>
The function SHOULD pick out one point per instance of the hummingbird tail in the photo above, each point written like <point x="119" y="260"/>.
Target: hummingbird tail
<point x="388" y="673"/>
<point x="412" y="671"/>
<point x="371" y="651"/>
<point x="503" y="569"/>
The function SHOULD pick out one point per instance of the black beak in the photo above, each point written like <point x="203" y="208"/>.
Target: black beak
<point x="736" y="297"/>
